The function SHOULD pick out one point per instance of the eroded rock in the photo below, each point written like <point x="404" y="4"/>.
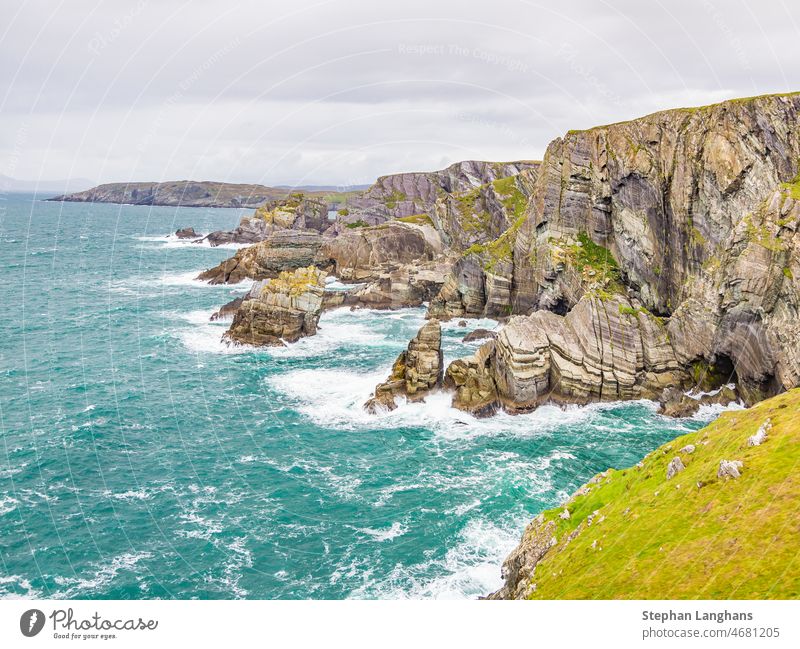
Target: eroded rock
<point x="280" y="310"/>
<point x="416" y="372"/>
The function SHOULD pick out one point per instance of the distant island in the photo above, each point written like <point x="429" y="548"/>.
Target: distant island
<point x="189" y="193"/>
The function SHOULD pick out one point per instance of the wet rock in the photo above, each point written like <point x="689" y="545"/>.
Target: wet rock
<point x="228" y="310"/>
<point x="518" y="568"/>
<point x="675" y="403"/>
<point x="186" y="233"/>
<point x="479" y="334"/>
<point x="604" y="349"/>
<point x="471" y="379"/>
<point x="280" y="310"/>
<point x="416" y="372"/>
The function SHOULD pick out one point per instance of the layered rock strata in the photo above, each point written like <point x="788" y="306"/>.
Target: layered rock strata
<point x="280" y="310"/>
<point x="293" y="213"/>
<point x="416" y="372"/>
<point x="283" y="250"/>
<point x="668" y="246"/>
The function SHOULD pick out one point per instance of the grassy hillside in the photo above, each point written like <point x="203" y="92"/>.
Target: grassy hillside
<point x="695" y="535"/>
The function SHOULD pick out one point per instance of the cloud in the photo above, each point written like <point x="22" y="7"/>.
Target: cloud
<point x="340" y="91"/>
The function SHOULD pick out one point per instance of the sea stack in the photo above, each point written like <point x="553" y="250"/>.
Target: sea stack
<point x="281" y="310"/>
<point x="417" y="370"/>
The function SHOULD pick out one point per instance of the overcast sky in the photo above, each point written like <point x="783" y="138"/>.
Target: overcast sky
<point x="341" y="91"/>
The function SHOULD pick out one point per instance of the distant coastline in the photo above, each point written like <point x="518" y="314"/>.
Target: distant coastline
<point x="187" y="193"/>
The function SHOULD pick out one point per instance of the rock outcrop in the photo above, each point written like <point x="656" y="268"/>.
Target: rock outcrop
<point x="282" y="250"/>
<point x="281" y="310"/>
<point x="603" y="349"/>
<point x="294" y="213"/>
<point x="472" y="381"/>
<point x="186" y="233"/>
<point x="416" y="372"/>
<point x="409" y="285"/>
<point x="363" y="253"/>
<point x="407" y="194"/>
<point x="743" y="309"/>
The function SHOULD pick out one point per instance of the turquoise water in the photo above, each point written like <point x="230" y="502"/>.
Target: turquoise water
<point x="142" y="458"/>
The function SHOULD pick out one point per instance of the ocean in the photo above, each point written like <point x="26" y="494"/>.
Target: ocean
<point x="141" y="457"/>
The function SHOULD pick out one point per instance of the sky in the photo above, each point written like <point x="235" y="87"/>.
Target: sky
<point x="342" y="91"/>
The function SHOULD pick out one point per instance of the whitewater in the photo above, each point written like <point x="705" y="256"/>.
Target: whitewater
<point x="142" y="457"/>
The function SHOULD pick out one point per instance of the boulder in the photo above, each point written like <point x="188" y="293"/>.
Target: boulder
<point x="760" y="436"/>
<point x="416" y="372"/>
<point x="281" y="310"/>
<point x="479" y="334"/>
<point x="186" y="233"/>
<point x="674" y="467"/>
<point x="730" y="469"/>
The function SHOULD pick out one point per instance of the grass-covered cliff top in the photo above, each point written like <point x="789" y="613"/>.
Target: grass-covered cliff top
<point x="690" y="109"/>
<point x="695" y="535"/>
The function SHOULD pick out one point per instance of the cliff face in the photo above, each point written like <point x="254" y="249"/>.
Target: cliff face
<point x="702" y="517"/>
<point x="663" y="247"/>
<point x="662" y="193"/>
<point x="184" y="193"/>
<point x="405" y="194"/>
<point x="280" y="310"/>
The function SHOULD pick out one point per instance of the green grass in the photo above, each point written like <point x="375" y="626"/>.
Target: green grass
<point x="696" y="535"/>
<point x="512" y="198"/>
<point x="596" y="263"/>
<point x="361" y="223"/>
<point x="394" y="198"/>
<point x="688" y="109"/>
<point x="416" y="219"/>
<point x="793" y="187"/>
<point x="498" y="250"/>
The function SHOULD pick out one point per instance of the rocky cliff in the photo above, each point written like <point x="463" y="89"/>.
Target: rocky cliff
<point x="297" y="212"/>
<point x="280" y="310"/>
<point x="282" y="250"/>
<point x="650" y="251"/>
<point x="702" y="517"/>
<point x="406" y="194"/>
